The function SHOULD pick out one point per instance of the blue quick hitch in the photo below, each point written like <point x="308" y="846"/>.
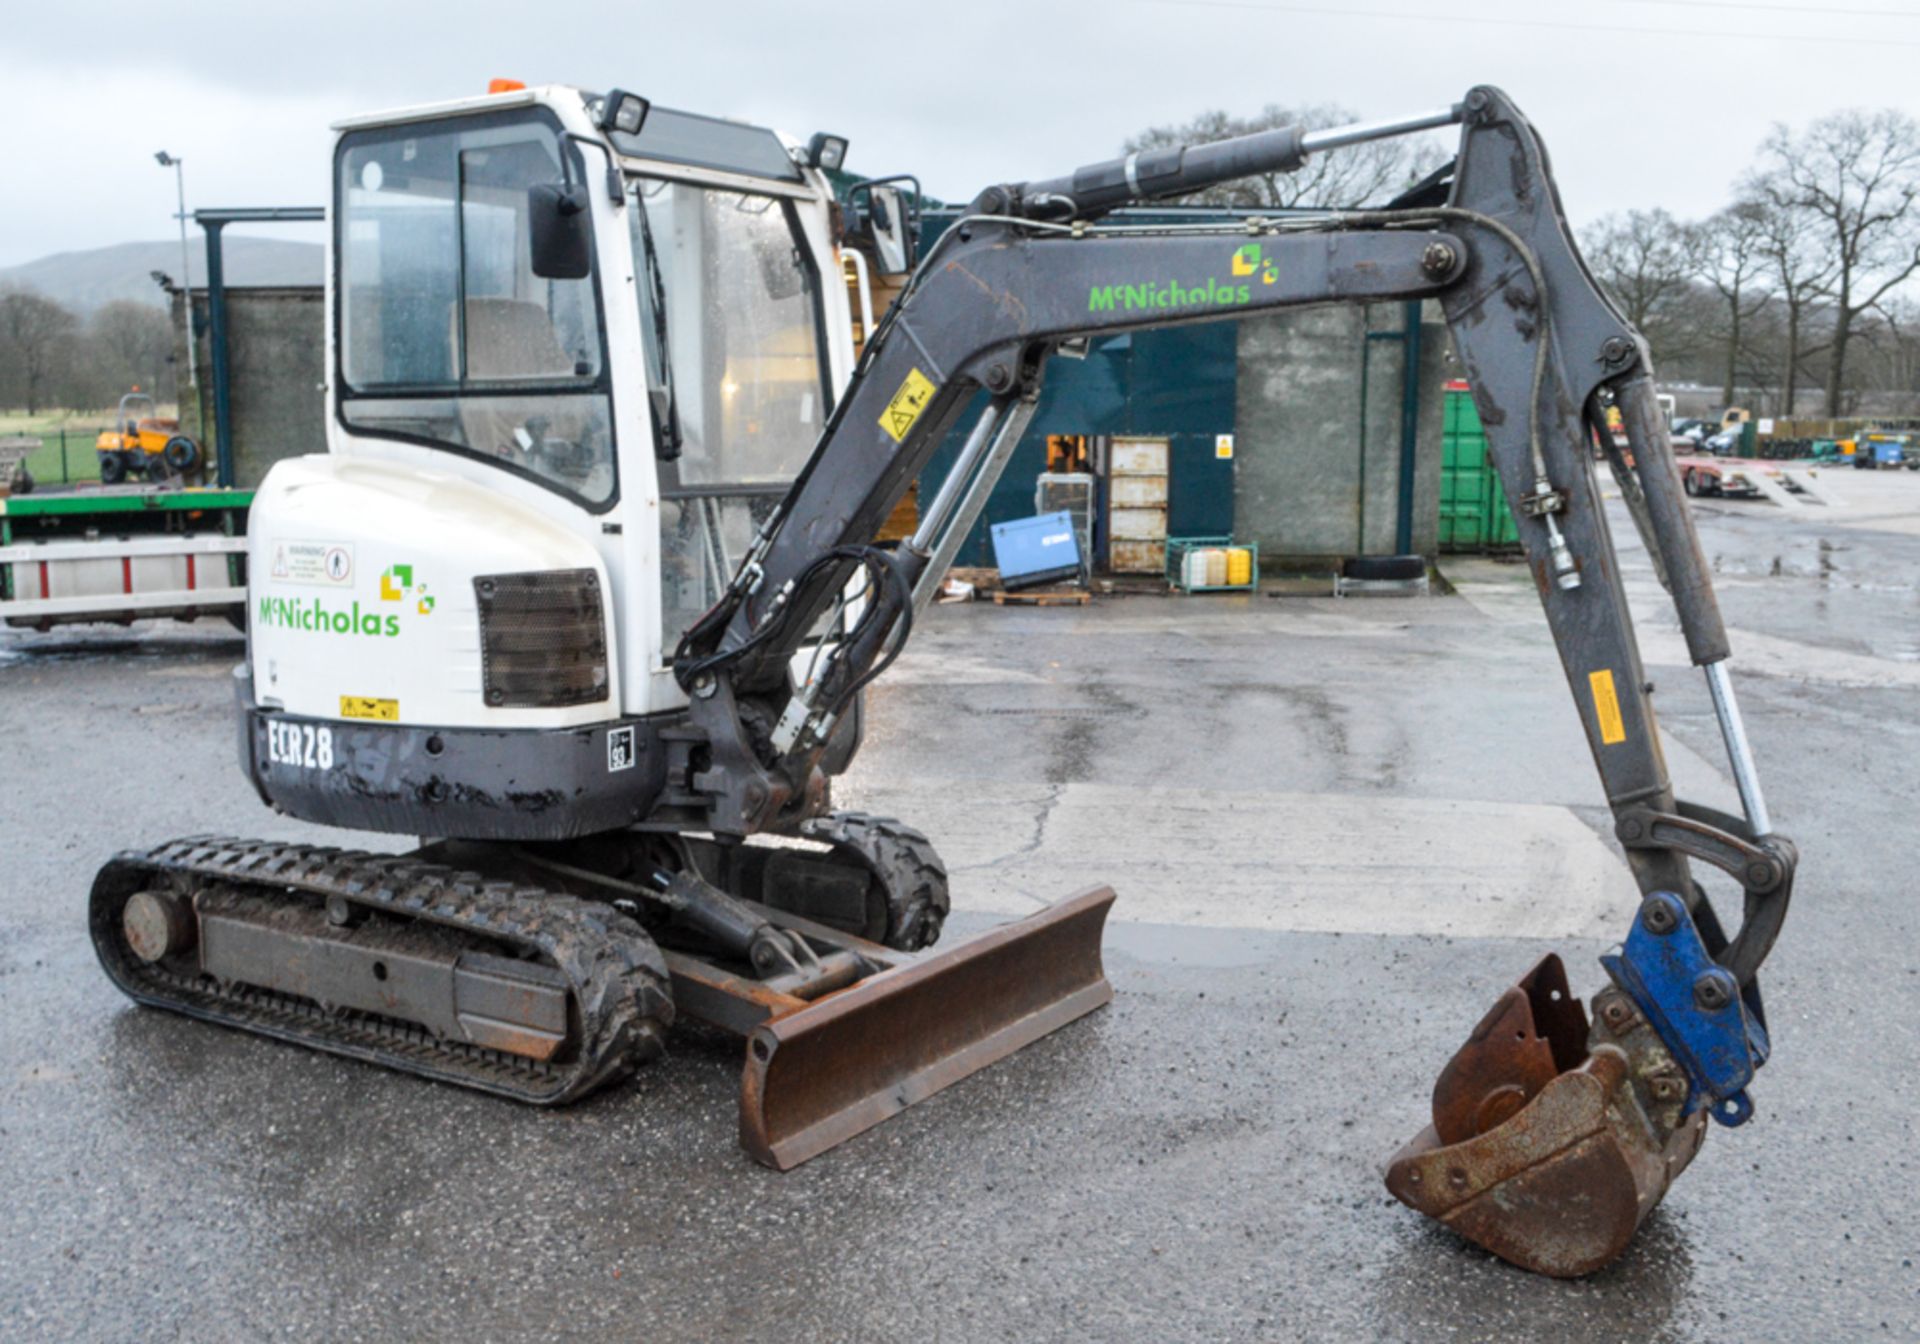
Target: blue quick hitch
<point x="1695" y="1006"/>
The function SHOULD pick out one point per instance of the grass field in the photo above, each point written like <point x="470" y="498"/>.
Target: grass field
<point x="50" y="465"/>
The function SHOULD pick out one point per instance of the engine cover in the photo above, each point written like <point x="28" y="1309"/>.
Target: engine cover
<point x="365" y="582"/>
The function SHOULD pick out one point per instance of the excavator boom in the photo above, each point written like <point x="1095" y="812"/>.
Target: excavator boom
<point x="1540" y="1115"/>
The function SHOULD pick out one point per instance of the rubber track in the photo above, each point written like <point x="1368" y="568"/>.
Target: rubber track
<point x="617" y="977"/>
<point x="907" y="865"/>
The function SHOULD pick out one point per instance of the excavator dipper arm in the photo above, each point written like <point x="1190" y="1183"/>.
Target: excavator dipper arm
<point x="1552" y="1139"/>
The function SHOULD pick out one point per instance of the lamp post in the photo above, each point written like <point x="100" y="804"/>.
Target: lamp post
<point x="166" y="160"/>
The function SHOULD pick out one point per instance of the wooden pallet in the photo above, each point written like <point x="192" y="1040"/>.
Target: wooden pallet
<point x="1043" y="598"/>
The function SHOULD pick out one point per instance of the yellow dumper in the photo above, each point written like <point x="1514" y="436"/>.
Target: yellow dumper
<point x="141" y="442"/>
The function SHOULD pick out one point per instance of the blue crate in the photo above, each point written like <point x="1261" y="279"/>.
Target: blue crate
<point x="1033" y="551"/>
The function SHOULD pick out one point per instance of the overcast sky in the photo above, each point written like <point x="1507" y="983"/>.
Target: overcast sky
<point x="1642" y="102"/>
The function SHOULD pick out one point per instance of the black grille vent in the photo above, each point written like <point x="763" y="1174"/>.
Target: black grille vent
<point x="543" y="642"/>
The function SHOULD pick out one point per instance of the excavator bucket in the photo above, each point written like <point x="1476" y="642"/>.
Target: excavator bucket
<point x="1551" y="1144"/>
<point x="831" y="1068"/>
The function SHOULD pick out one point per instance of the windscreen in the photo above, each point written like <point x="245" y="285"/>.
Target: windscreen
<point x="731" y="316"/>
<point x="447" y="337"/>
<point x="741" y="331"/>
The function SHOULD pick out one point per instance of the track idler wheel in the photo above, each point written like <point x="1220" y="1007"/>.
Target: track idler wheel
<point x="1550" y="1144"/>
<point x="907" y="901"/>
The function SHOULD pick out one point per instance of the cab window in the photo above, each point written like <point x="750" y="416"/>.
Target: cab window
<point x="446" y="336"/>
<point x="731" y="316"/>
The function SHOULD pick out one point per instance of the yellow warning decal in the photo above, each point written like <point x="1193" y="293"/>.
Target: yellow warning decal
<point x="1606" y="707"/>
<point x="367" y="707"/>
<point x="912" y="398"/>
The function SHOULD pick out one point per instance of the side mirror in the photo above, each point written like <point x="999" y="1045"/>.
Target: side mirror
<point x="557" y="232"/>
<point x="893" y="241"/>
<point x="884" y="222"/>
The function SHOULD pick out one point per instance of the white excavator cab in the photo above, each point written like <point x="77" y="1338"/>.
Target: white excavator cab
<point x="590" y="355"/>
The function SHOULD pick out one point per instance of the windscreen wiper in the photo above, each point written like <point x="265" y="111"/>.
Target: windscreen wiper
<point x="667" y="411"/>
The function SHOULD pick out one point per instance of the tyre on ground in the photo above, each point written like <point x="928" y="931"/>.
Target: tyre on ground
<point x="1387" y="567"/>
<point x="182" y="454"/>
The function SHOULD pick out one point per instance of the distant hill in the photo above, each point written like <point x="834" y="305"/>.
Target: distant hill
<point x="84" y="281"/>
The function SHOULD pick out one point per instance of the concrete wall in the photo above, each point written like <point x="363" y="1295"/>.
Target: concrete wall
<point x="276" y="350"/>
<point x="1318" y="433"/>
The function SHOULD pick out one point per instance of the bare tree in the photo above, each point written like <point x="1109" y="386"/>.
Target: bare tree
<point x="33" y="331"/>
<point x="1647" y="259"/>
<point x="1730" y="250"/>
<point x="1892" y="362"/>
<point x="1338" y="178"/>
<point x="1801" y="274"/>
<point x="1858" y="175"/>
<point x="130" y="342"/>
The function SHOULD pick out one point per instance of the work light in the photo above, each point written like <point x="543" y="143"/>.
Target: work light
<point x="623" y="112"/>
<point x="826" y="151"/>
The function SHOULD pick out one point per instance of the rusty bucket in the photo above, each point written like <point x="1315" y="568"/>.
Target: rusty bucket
<point x="843" y="1063"/>
<point x="1551" y="1142"/>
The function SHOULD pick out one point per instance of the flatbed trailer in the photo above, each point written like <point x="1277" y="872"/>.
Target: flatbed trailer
<point x="122" y="553"/>
<point x="1705" y="474"/>
<point x="1789" y="485"/>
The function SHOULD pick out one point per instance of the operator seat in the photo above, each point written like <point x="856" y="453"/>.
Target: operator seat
<point x="509" y="339"/>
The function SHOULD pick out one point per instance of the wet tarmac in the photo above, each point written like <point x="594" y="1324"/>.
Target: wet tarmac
<point x="1200" y="1161"/>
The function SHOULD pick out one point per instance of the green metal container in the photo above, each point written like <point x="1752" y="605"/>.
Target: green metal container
<point x="1474" y="515"/>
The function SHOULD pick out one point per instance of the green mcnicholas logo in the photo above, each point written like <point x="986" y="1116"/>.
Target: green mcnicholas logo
<point x="300" y="613"/>
<point x="1247" y="263"/>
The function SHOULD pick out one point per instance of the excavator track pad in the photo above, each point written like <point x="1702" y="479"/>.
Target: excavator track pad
<point x="415" y="966"/>
<point x="542" y="996"/>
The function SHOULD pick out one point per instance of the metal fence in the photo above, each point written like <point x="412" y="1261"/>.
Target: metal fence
<point x="65" y="455"/>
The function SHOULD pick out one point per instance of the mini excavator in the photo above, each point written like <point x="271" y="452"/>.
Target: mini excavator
<point x="587" y="590"/>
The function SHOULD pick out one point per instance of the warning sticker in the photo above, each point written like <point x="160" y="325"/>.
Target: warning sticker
<point x="321" y="562"/>
<point x="912" y="398"/>
<point x="367" y="707"/>
<point x="1606" y="707"/>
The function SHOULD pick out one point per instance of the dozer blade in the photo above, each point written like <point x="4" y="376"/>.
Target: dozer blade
<point x="1550" y="1146"/>
<point x="842" y="1064"/>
